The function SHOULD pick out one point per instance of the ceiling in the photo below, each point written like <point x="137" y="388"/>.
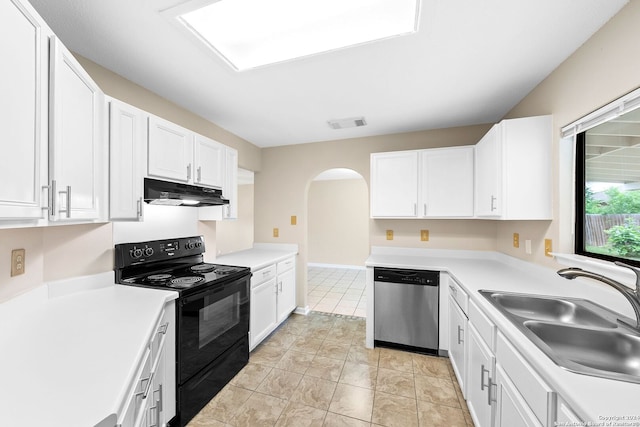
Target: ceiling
<point x="470" y="62"/>
<point x="612" y="150"/>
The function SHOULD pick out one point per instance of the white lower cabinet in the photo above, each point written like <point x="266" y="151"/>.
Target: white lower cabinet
<point x="566" y="416"/>
<point x="480" y="374"/>
<point x="151" y="399"/>
<point x="273" y="298"/>
<point x="511" y="409"/>
<point x="458" y="331"/>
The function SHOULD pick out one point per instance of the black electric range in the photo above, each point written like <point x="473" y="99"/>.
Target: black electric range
<point x="212" y="313"/>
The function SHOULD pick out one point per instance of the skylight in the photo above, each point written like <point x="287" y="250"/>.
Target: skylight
<point x="254" y="33"/>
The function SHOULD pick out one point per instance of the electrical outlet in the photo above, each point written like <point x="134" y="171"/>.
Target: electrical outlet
<point x="389" y="234"/>
<point x="276" y="232"/>
<point x="294" y="220"/>
<point x="17" y="262"/>
<point x="516" y="240"/>
<point x="527" y="247"/>
<point x="424" y="235"/>
<point x="547" y="248"/>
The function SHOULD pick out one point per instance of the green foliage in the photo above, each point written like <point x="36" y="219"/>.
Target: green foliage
<point x="591" y="205"/>
<point x="620" y="202"/>
<point x="625" y="239"/>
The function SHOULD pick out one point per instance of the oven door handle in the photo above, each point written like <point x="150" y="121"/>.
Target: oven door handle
<point x="242" y="281"/>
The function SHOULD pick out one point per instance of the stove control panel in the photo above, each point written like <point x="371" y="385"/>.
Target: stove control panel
<point x="127" y="254"/>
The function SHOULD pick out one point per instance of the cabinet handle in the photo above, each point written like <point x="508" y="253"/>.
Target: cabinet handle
<point x="280" y="286"/>
<point x="199" y="170"/>
<point x="453" y="290"/>
<point x="482" y="383"/>
<point x="52" y="198"/>
<point x="163" y="328"/>
<point x="68" y="201"/>
<point x="139" y="207"/>
<point x="493" y="206"/>
<point x="188" y="171"/>
<point x="159" y="398"/>
<point x="148" y="387"/>
<point x="425" y="210"/>
<point x="491" y="397"/>
<point x="415" y="209"/>
<point x="460" y="330"/>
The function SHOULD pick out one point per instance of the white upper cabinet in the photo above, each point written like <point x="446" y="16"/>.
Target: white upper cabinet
<point x="432" y="183"/>
<point x="230" y="187"/>
<point x="23" y="108"/>
<point x="394" y="184"/>
<point x="77" y="150"/>
<point x="127" y="142"/>
<point x="513" y="170"/>
<point x="170" y="151"/>
<point x="209" y="161"/>
<point x="446" y="182"/>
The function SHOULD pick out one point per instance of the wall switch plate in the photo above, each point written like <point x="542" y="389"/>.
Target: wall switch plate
<point x="276" y="232"/>
<point x="527" y="247"/>
<point x="17" y="262"/>
<point x="516" y="240"/>
<point x="547" y="248"/>
<point x="294" y="220"/>
<point x="389" y="234"/>
<point x="424" y="235"/>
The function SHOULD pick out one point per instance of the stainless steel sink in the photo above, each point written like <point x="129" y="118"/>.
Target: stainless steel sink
<point x="577" y="334"/>
<point x="601" y="350"/>
<point x="550" y="310"/>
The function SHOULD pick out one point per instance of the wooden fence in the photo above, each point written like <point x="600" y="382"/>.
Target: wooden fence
<point x="595" y="225"/>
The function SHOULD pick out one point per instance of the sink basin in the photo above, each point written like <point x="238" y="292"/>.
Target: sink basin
<point x="610" y="351"/>
<point x="551" y="310"/>
<point x="577" y="334"/>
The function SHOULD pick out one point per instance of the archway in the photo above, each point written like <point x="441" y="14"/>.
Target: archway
<point x="337" y="242"/>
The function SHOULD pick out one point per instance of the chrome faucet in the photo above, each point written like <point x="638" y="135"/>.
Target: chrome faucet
<point x="633" y="296"/>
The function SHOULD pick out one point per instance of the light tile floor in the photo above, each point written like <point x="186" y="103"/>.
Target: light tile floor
<point x="315" y="371"/>
<point x="337" y="290"/>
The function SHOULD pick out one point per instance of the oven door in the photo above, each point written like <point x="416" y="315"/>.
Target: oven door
<point x="209" y="323"/>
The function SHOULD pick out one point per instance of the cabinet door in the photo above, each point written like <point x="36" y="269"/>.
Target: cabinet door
<point x="77" y="150"/>
<point x="127" y="137"/>
<point x="488" y="174"/>
<point x="210" y="159"/>
<point x="511" y="408"/>
<point x="263" y="317"/>
<point x="230" y="188"/>
<point x="394" y="184"/>
<point x="446" y="182"/>
<point x="286" y="294"/>
<point x="23" y="108"/>
<point x="170" y="151"/>
<point x="480" y="371"/>
<point x="457" y="343"/>
<point x="566" y="416"/>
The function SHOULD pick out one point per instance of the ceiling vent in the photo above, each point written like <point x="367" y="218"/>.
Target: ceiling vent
<point x="347" y="123"/>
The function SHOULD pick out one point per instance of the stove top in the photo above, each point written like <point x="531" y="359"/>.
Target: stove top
<point x="174" y="264"/>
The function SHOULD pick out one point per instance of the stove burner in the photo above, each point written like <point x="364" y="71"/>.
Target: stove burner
<point x="185" y="282"/>
<point x="202" y="268"/>
<point x="158" y="278"/>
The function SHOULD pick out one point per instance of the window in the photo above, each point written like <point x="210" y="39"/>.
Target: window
<point x="608" y="188"/>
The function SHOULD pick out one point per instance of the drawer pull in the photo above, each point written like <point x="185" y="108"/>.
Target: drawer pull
<point x="460" y="333"/>
<point x="482" y="382"/>
<point x="163" y="328"/>
<point x="491" y="397"/>
<point x="453" y="290"/>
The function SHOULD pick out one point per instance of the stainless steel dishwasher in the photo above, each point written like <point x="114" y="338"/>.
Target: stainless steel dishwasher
<point x="406" y="308"/>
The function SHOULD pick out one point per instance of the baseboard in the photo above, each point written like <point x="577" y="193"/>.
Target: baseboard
<point x="349" y="267"/>
<point x="302" y="310"/>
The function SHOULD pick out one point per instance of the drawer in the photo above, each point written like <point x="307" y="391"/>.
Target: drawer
<point x="538" y="395"/>
<point x="285" y="265"/>
<point x="483" y="325"/>
<point x="262" y="275"/>
<point x="459" y="295"/>
<point x="159" y="333"/>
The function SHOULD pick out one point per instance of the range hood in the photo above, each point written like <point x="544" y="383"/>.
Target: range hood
<point x="167" y="193"/>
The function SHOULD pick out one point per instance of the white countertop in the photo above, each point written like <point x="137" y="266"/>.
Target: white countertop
<point x="70" y="351"/>
<point x="590" y="397"/>
<point x="260" y="256"/>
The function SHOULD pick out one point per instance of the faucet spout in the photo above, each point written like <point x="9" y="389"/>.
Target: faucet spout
<point x="633" y="296"/>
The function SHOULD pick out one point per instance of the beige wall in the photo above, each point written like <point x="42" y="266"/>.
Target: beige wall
<point x="338" y="221"/>
<point x="281" y="190"/>
<point x="236" y="235"/>
<point x="606" y="67"/>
